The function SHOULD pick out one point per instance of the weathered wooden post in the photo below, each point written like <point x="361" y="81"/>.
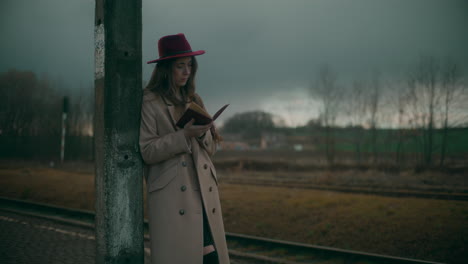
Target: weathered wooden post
<point x="119" y="196"/>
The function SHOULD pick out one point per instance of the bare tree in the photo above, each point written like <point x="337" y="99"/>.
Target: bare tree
<point x="80" y="115"/>
<point x="21" y="103"/>
<point x="451" y="89"/>
<point x="328" y="91"/>
<point x="423" y="85"/>
<point x="363" y="108"/>
<point x="400" y="103"/>
<point x="373" y="108"/>
<point x="356" y="111"/>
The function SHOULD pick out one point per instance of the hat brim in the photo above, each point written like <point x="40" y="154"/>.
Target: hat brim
<point x="193" y="53"/>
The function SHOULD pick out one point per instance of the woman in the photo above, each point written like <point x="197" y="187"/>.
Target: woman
<point x="184" y="212"/>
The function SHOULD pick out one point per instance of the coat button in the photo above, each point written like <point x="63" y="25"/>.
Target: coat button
<point x="211" y="189"/>
<point x="181" y="212"/>
<point x="183" y="188"/>
<point x="205" y="166"/>
<point x="184" y="163"/>
<point x="214" y="210"/>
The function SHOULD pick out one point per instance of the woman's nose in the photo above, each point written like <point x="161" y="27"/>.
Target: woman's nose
<point x="186" y="70"/>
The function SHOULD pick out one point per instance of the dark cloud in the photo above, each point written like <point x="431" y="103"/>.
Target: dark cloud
<point x="256" y="50"/>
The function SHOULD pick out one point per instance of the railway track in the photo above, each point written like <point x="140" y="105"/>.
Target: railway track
<point x="426" y="194"/>
<point x="242" y="248"/>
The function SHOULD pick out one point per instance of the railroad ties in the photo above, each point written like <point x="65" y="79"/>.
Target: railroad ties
<point x="243" y="249"/>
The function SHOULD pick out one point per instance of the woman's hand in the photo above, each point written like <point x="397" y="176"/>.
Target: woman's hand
<point x="195" y="131"/>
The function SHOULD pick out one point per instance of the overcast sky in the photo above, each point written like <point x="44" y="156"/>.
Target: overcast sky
<point x="260" y="54"/>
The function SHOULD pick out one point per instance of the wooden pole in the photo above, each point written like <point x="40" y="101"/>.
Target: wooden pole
<point x="118" y="165"/>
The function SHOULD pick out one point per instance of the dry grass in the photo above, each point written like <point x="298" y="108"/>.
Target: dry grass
<point x="64" y="188"/>
<point x="410" y="227"/>
<point x="371" y="179"/>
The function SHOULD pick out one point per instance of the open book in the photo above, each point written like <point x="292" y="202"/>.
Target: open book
<point x="199" y="114"/>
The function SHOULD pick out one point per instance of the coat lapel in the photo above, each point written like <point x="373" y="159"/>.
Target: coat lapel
<point x="171" y="110"/>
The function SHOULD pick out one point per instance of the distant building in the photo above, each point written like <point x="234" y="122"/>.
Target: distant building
<point x="269" y="140"/>
<point x="302" y="143"/>
<point x="233" y="145"/>
<point x="298" y="147"/>
<point x="233" y="141"/>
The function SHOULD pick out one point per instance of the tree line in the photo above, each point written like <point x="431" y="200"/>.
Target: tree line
<point x="420" y="109"/>
<point x="423" y="107"/>
<point x="31" y="116"/>
<point x="430" y="100"/>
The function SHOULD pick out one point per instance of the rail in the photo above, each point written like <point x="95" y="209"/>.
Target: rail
<point x="250" y="248"/>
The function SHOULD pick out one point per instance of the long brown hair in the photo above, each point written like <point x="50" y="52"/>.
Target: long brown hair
<point x="162" y="83"/>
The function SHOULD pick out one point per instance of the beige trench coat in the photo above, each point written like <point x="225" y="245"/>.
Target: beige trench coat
<point x="178" y="187"/>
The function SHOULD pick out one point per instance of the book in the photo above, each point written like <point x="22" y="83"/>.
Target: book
<point x="199" y="114"/>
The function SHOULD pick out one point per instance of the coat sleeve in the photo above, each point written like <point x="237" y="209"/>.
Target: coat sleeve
<point x="206" y="141"/>
<point x="153" y="147"/>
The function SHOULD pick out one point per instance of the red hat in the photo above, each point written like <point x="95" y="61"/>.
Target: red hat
<point x="174" y="46"/>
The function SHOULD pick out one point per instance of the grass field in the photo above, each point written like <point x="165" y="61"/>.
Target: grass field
<point x="410" y="227"/>
<point x="457" y="139"/>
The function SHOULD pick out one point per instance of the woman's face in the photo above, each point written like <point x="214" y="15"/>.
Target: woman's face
<point x="181" y="69"/>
